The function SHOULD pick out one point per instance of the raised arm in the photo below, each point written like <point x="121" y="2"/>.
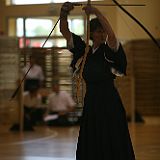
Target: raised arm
<point x="64" y="29"/>
<point x="110" y="36"/>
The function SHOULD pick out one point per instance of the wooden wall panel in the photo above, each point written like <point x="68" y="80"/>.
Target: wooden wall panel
<point x="9" y="76"/>
<point x="143" y="73"/>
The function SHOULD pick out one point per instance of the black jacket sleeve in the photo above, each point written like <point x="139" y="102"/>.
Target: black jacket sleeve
<point x="78" y="50"/>
<point x="117" y="59"/>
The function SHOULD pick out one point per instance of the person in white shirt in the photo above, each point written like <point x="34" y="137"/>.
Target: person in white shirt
<point x="33" y="112"/>
<point x="32" y="99"/>
<point x="60" y="103"/>
<point x="35" y="76"/>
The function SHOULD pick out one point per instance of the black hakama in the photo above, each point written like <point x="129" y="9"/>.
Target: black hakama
<point x="104" y="133"/>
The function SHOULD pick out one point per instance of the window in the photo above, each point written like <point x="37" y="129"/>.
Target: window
<point x="19" y="27"/>
<point x="73" y="23"/>
<point x="32" y="32"/>
<point x="38" y="27"/>
<point x="29" y="2"/>
<point x="24" y="2"/>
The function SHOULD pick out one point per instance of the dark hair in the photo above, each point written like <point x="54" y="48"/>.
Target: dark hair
<point x="94" y="25"/>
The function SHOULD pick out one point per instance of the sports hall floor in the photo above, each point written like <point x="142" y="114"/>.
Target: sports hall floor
<point x="59" y="143"/>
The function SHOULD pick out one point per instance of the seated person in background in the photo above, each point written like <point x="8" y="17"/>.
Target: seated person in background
<point x="33" y="112"/>
<point x="35" y="75"/>
<point x="60" y="103"/>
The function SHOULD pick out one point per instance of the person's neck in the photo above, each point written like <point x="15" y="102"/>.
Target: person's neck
<point x="96" y="44"/>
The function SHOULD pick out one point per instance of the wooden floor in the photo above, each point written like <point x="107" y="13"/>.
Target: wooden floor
<point x="59" y="143"/>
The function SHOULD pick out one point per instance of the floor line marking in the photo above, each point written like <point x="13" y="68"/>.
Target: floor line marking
<point x="54" y="134"/>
